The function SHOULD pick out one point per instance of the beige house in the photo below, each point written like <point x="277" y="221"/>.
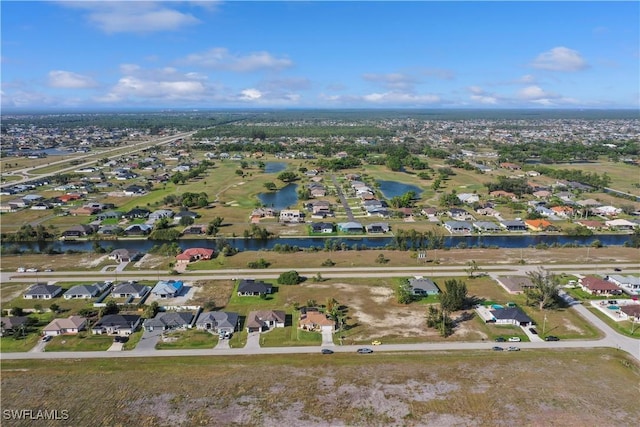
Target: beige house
<point x="69" y="326"/>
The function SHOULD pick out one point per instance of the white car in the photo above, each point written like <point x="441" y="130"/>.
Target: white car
<point x="32" y="270"/>
<point x="514" y="339"/>
<point x="21" y="270"/>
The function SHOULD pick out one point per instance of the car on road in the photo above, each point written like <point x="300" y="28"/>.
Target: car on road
<point x="552" y="338"/>
<point x="376" y="342"/>
<point x="514" y="339"/>
<point x="364" y="351"/>
<point x="513" y="348"/>
<point x="326" y="351"/>
<point x="46" y="338"/>
<point x="497" y="348"/>
<point x="533" y="331"/>
<point x="500" y="339"/>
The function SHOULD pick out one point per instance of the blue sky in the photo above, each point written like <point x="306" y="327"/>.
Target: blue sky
<point x="316" y="54"/>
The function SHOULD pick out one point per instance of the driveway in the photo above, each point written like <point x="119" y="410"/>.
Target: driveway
<point x="253" y="340"/>
<point x="149" y="340"/>
<point x="116" y="346"/>
<point x="327" y="338"/>
<point x="224" y="344"/>
<point x="39" y="347"/>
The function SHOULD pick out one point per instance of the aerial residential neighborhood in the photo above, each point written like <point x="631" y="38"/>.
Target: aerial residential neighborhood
<point x="319" y="213"/>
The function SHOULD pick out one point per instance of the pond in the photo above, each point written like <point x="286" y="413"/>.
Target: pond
<point x="274" y="167"/>
<point x="281" y="199"/>
<point x="391" y="189"/>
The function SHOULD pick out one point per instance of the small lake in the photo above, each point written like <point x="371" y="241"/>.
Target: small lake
<point x="281" y="199"/>
<point x="391" y="189"/>
<point x="274" y="167"/>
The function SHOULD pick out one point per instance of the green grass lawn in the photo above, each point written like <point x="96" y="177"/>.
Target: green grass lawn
<point x="289" y="336"/>
<point x="133" y="341"/>
<point x="191" y="338"/>
<point x="624" y="327"/>
<point x="84" y="341"/>
<point x="9" y="344"/>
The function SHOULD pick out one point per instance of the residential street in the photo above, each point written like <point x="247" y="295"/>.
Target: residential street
<point x="611" y="338"/>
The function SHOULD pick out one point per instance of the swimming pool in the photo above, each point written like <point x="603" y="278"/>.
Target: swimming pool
<point x="496" y="306"/>
<point x="613" y="307"/>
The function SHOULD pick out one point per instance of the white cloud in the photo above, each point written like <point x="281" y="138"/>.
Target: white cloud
<point x="535" y="93"/>
<point x="250" y="95"/>
<point x="385" y="98"/>
<point x="220" y="58"/>
<point x="138" y="84"/>
<point x="69" y="80"/>
<point x="480" y="96"/>
<point x="393" y="81"/>
<point x="133" y="16"/>
<point x="560" y="59"/>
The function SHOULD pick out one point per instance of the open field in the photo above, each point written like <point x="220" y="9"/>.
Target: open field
<point x="483" y="257"/>
<point x="390" y="389"/>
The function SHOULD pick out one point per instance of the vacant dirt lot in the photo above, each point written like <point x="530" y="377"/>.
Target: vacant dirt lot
<point x="348" y="258"/>
<point x="529" y="388"/>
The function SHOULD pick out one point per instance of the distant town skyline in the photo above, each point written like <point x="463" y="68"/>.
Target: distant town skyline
<point x="317" y="54"/>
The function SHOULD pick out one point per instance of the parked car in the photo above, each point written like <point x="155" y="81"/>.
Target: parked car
<point x="500" y="339"/>
<point x="120" y="339"/>
<point x="497" y="348"/>
<point x="21" y="270"/>
<point x="365" y="350"/>
<point x="533" y="331"/>
<point x="46" y="338"/>
<point x="617" y="269"/>
<point x="48" y="270"/>
<point x="552" y="338"/>
<point x="376" y="342"/>
<point x="514" y="339"/>
<point x="326" y="351"/>
<point x="32" y="270"/>
<point x="513" y="349"/>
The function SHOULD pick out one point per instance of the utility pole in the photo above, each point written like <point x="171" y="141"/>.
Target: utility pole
<point x="544" y="323"/>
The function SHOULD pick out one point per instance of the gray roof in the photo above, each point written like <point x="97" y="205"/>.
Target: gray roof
<point x="511" y="313"/>
<point x="120" y="320"/>
<point x="90" y="290"/>
<point x="43" y="289"/>
<point x="253" y="286"/>
<point x="170" y="320"/>
<point x="221" y="319"/>
<point x="128" y="288"/>
<point x="424" y="284"/>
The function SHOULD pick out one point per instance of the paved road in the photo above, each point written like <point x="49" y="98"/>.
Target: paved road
<point x="329" y="272"/>
<point x="95" y="155"/>
<point x="343" y="199"/>
<point x="611" y="338"/>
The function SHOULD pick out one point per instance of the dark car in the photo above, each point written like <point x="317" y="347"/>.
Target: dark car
<point x="533" y="331"/>
<point x="326" y="351"/>
<point x="617" y="269"/>
<point x="365" y="350"/>
<point x="500" y="339"/>
<point x="552" y="338"/>
<point x="497" y="348"/>
<point x="46" y="338"/>
<point x="120" y="339"/>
